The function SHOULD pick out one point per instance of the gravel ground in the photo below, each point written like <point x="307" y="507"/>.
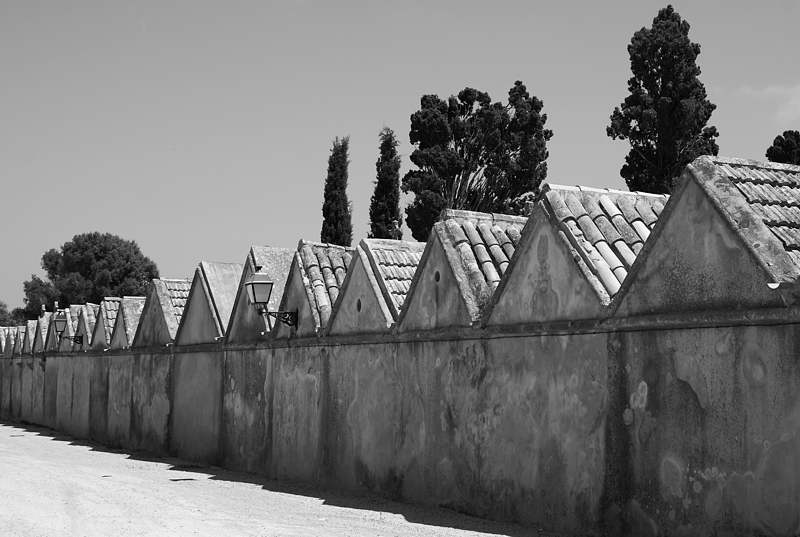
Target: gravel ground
<point x="53" y="486"/>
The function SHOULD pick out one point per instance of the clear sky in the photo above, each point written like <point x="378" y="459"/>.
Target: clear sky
<point x="199" y="128"/>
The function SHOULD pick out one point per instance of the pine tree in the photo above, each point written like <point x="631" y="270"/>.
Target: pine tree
<point x="471" y="153"/>
<point x="664" y="117"/>
<point x="785" y="148"/>
<point x="337" y="227"/>
<point x="384" y="208"/>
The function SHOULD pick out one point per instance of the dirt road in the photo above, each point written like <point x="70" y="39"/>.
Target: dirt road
<point x="50" y="486"/>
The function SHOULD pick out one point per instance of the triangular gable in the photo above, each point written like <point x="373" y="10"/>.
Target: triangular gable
<point x="19" y="341"/>
<point x="130" y="311"/>
<point x="104" y="324"/>
<point x="86" y="322"/>
<point x="318" y="271"/>
<point x="51" y="339"/>
<point x="11" y="338"/>
<point x="575" y="252"/>
<point x="245" y="324"/>
<point x="40" y="337"/>
<point x="30" y="335"/>
<point x="162" y="312"/>
<point x="376" y="285"/>
<point x="461" y="267"/>
<point x="66" y="344"/>
<point x="211" y="298"/>
<point x="725" y="241"/>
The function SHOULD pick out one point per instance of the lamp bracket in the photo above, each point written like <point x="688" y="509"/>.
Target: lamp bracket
<point x="289" y="318"/>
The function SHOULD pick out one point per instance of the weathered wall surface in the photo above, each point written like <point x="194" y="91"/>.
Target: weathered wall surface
<point x="713" y="420"/>
<point x="98" y="397"/>
<point x="5" y="387"/>
<point x="37" y="389"/>
<point x="150" y="402"/>
<point x="64" y="393"/>
<point x="50" y="418"/>
<point x="26" y="388"/>
<point x="683" y="431"/>
<point x="246" y="401"/>
<point x="17" y="395"/>
<point x="196" y="406"/>
<point x="120" y="375"/>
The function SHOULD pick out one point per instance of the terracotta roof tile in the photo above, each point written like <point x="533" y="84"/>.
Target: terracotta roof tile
<point x="324" y="267"/>
<point x="606" y="227"/>
<point x="90" y="311"/>
<point x="178" y="291"/>
<point x="108" y="311"/>
<point x="485" y="242"/>
<point x="773" y="192"/>
<point x="394" y="264"/>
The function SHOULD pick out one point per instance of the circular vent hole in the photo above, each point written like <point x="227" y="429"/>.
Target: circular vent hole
<point x="436" y="276"/>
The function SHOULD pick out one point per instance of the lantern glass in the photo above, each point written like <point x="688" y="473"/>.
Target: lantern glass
<point x="60" y="321"/>
<point x="259" y="289"/>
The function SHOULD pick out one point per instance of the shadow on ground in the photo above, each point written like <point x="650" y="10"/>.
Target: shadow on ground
<point x="418" y="514"/>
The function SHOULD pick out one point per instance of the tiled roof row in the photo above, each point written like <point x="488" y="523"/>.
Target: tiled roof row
<point x="395" y="262"/>
<point x="324" y="267"/>
<point x="485" y="242"/>
<point x="603" y="230"/>
<point x="606" y="227"/>
<point x="773" y="192"/>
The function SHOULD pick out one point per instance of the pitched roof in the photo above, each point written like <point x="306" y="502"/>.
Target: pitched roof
<point x="171" y="294"/>
<point x="393" y="263"/>
<point x="323" y="268"/>
<point x="277" y="263"/>
<point x="11" y="337"/>
<point x="42" y="325"/>
<point x="74" y="313"/>
<point x="89" y="313"/>
<point x="771" y="192"/>
<point x="30" y="334"/>
<point x="479" y="247"/>
<point x="178" y="292"/>
<point x="108" y="314"/>
<point x="20" y="340"/>
<point x="606" y="228"/>
<point x="222" y="282"/>
<point x="130" y="311"/>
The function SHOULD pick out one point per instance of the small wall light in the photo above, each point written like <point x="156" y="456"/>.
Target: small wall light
<point x="60" y="322"/>
<point x="259" y="289"/>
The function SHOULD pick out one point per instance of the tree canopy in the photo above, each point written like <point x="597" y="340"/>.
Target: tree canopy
<point x="10" y="318"/>
<point x="86" y="269"/>
<point x="471" y="153"/>
<point x="384" y="207"/>
<point x="337" y="227"/>
<point x="785" y="148"/>
<point x="665" y="115"/>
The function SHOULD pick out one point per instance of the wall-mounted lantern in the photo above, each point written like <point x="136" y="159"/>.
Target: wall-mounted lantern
<point x="259" y="289"/>
<point x="60" y="323"/>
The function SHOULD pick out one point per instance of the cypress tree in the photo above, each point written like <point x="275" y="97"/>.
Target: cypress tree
<point x="664" y="116"/>
<point x="384" y="207"/>
<point x="337" y="227"/>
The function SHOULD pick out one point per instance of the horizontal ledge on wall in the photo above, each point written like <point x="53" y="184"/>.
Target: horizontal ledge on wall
<point x="656" y="321"/>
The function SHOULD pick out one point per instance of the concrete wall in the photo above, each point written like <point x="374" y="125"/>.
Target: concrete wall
<point x="246" y="406"/>
<point x="677" y="426"/>
<point x="118" y="416"/>
<point x="150" y="402"/>
<point x="197" y="406"/>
